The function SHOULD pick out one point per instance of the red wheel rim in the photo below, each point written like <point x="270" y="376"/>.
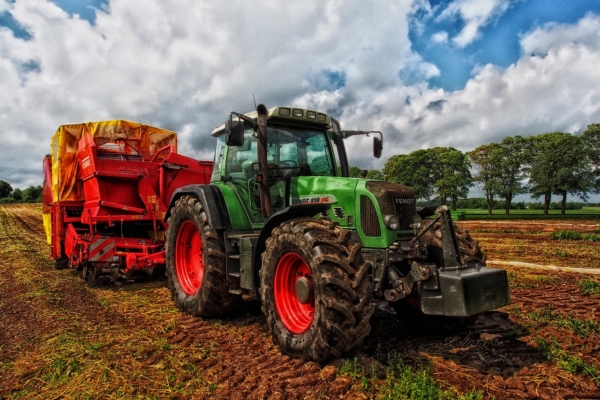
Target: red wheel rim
<point x="295" y="315"/>
<point x="188" y="257"/>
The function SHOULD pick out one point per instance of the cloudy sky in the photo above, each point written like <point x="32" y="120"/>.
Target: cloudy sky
<point x="426" y="73"/>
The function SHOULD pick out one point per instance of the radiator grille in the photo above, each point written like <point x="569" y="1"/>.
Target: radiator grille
<point x="406" y="212"/>
<point x="368" y="217"/>
<point x="394" y="199"/>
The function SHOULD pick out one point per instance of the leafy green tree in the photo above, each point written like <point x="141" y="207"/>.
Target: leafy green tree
<point x="413" y="170"/>
<point x="540" y="160"/>
<point x="33" y="194"/>
<point x="5" y="189"/>
<point x="512" y="155"/>
<point x="450" y="173"/>
<point x="355" y="172"/>
<point x="442" y="171"/>
<point x="561" y="164"/>
<point x="486" y="160"/>
<point x="375" y="174"/>
<point x="17" y="194"/>
<point x="591" y="139"/>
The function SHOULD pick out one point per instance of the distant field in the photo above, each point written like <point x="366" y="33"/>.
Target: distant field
<point x="585" y="212"/>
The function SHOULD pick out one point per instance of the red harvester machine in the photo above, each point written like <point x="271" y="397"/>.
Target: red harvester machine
<point x="107" y="186"/>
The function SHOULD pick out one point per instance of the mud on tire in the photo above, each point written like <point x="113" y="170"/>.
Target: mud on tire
<point x="209" y="296"/>
<point x="468" y="246"/>
<point x="341" y="294"/>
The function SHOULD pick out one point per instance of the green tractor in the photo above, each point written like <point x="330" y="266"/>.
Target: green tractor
<point x="282" y="220"/>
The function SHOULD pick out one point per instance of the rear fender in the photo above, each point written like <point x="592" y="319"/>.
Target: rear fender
<point x="212" y="200"/>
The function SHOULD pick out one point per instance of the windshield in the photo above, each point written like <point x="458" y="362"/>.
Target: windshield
<point x="294" y="151"/>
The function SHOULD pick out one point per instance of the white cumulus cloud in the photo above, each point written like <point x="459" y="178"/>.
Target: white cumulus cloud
<point x="551" y="35"/>
<point x="554" y="89"/>
<point x="184" y="65"/>
<point x="475" y="14"/>
<point x="440" y="37"/>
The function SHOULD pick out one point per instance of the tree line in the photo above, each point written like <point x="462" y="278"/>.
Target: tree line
<point x="555" y="163"/>
<point x="32" y="194"/>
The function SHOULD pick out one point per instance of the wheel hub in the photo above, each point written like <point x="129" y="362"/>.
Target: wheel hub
<point x="294" y="293"/>
<point x="189" y="261"/>
<point x="304" y="290"/>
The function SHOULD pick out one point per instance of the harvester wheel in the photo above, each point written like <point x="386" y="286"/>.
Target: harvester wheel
<point x="409" y="313"/>
<point x="315" y="289"/>
<point x="195" y="258"/>
<point x="61" y="263"/>
<point x="90" y="273"/>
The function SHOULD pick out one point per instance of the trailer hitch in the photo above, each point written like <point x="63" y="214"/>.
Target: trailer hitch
<point x="451" y="253"/>
<point x="403" y="286"/>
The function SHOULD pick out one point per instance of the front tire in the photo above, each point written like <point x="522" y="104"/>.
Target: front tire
<point x="195" y="261"/>
<point x="315" y="289"/>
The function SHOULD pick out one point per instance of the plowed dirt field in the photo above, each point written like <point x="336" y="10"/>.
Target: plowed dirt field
<point x="61" y="338"/>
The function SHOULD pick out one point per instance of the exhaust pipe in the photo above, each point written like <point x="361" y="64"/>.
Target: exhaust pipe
<point x="262" y="178"/>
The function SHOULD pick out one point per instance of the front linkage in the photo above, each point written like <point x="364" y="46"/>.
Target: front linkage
<point x="431" y="267"/>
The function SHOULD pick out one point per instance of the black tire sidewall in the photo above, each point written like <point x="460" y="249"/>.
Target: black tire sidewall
<point x="296" y="344"/>
<point x="184" y="211"/>
<point x="341" y="283"/>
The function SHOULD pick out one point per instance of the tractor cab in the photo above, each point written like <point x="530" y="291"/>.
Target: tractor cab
<point x="291" y="152"/>
<point x="299" y="143"/>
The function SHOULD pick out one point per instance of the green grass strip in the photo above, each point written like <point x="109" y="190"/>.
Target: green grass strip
<point x="404" y="383"/>
<point x="547" y="316"/>
<point x="575" y="235"/>
<point x="589" y="287"/>
<point x="575" y="365"/>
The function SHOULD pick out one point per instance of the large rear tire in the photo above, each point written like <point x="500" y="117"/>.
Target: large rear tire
<point x="195" y="261"/>
<point x="315" y="289"/>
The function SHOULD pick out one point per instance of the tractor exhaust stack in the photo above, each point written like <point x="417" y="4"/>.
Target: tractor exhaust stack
<point x="262" y="178"/>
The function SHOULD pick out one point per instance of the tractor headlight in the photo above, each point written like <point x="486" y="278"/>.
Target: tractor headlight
<point x="392" y="222"/>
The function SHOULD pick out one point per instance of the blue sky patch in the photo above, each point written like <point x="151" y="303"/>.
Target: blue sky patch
<point x="328" y="79"/>
<point x="85" y="8"/>
<point x="498" y="41"/>
<point x="7" y="21"/>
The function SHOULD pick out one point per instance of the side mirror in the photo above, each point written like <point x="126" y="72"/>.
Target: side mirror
<point x="234" y="133"/>
<point x="377" y="147"/>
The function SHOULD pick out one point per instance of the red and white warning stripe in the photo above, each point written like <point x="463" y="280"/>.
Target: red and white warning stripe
<point x="101" y="249"/>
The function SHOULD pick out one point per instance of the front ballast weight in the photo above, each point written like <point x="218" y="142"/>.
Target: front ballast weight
<point x="448" y="283"/>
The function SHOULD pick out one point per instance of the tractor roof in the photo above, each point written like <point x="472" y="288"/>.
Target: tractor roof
<point x="287" y="115"/>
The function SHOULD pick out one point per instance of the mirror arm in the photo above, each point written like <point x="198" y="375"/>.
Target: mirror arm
<point x="246" y="118"/>
<point x="347" y="134"/>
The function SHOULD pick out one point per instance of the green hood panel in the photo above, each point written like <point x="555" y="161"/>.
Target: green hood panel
<point x="328" y="189"/>
<point x="344" y="196"/>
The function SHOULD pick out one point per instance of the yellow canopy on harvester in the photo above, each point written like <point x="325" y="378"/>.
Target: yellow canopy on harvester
<point x="66" y="184"/>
